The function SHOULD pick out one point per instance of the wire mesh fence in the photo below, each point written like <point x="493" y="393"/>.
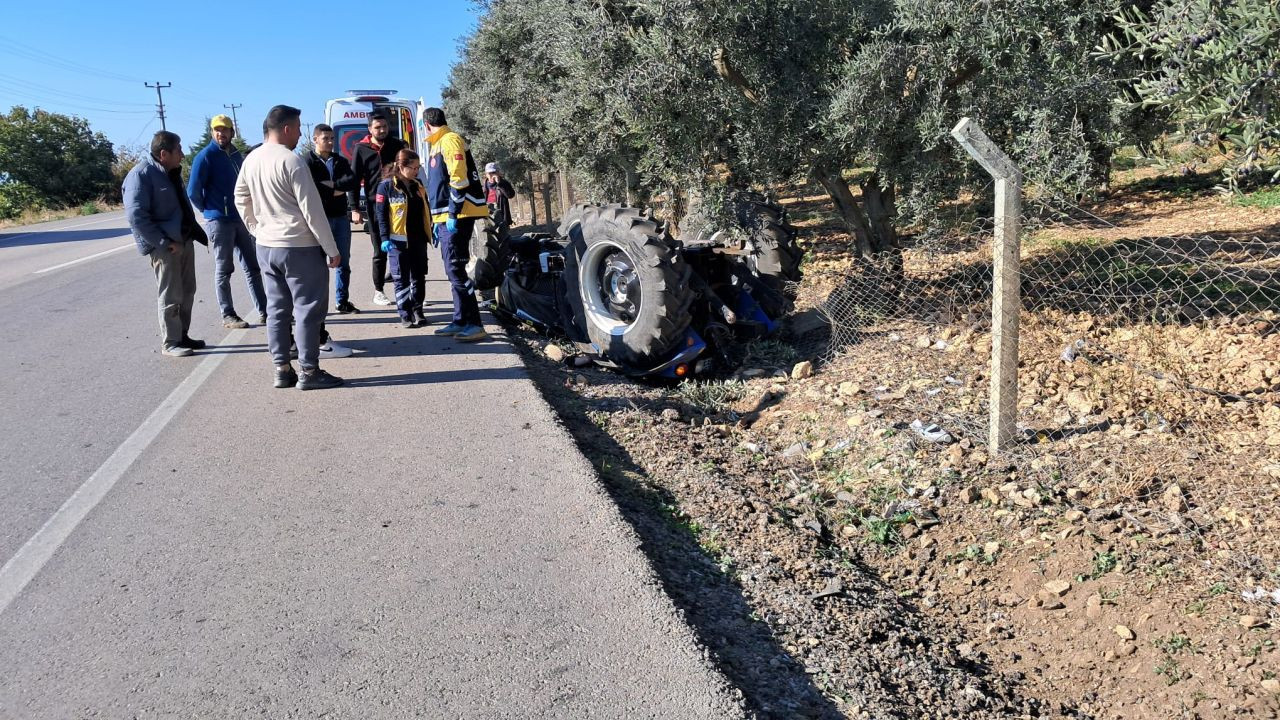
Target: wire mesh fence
<point x="1149" y="367"/>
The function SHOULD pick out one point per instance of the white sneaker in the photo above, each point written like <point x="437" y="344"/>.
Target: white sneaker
<point x="332" y="349"/>
<point x="380" y="299"/>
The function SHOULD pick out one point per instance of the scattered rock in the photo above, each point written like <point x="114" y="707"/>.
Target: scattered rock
<point x="1093" y="607"/>
<point x="1248" y="622"/>
<point x="1174" y="499"/>
<point x="581" y="361"/>
<point x="1126" y="649"/>
<point x="802" y="370"/>
<point x="990" y="495"/>
<point x="553" y="352"/>
<point x="849" y="388"/>
<point x="1271" y="685"/>
<point x="1124" y="632"/>
<point x="670" y="414"/>
<point x="1009" y="599"/>
<point x="1047" y="601"/>
<point x="970" y="495"/>
<point x="1057" y="588"/>
<point x="1073" y="516"/>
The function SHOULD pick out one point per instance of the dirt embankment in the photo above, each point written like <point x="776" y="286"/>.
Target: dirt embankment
<point x="1120" y="563"/>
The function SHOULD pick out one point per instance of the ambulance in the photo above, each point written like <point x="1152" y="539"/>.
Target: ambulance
<point x="349" y="117"/>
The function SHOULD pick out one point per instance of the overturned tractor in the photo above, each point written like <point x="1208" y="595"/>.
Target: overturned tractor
<point x="615" y="282"/>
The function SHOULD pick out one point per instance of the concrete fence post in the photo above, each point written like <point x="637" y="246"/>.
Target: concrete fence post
<point x="1006" y="302"/>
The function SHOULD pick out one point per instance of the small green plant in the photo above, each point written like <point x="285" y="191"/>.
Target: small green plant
<point x="1103" y="563"/>
<point x="1267" y="198"/>
<point x="1196" y="608"/>
<point x="1171" y="671"/>
<point x="1173" y="644"/>
<point x="884" y="531"/>
<point x="710" y="397"/>
<point x="89" y="208"/>
<point x="1218" y="588"/>
<point x="880" y="531"/>
<point x="770" y="353"/>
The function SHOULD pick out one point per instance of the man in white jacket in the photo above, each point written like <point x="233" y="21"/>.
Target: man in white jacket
<point x="279" y="203"/>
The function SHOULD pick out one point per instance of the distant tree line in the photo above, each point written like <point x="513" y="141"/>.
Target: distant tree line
<point x="683" y="99"/>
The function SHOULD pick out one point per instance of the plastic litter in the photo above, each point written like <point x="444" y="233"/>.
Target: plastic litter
<point x="931" y="432"/>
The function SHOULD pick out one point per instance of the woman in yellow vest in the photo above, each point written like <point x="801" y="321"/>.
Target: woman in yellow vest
<point x="405" y="225"/>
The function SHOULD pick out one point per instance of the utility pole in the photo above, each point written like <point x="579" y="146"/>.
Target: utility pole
<point x="160" y="97"/>
<point x="234" y="122"/>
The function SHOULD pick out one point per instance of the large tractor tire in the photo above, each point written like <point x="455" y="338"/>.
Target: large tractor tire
<point x="490" y="256"/>
<point x="774" y="255"/>
<point x="627" y="283"/>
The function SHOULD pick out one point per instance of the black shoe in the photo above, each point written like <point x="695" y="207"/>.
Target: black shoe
<point x="317" y="380"/>
<point x="408" y="324"/>
<point x="286" y="377"/>
<point x="192" y="344"/>
<point x="346" y="308"/>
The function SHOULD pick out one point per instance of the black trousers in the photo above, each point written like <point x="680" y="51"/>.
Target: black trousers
<point x="375" y="237"/>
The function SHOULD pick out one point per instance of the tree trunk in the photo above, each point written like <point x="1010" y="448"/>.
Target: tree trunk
<point x="566" y="201"/>
<point x="545" y="185"/>
<point x="533" y="200"/>
<point x="847" y="205"/>
<point x="879" y="205"/>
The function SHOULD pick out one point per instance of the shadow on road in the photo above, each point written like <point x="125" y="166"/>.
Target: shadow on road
<point x="50" y="237"/>
<point x="773" y="685"/>
<point x="440" y="376"/>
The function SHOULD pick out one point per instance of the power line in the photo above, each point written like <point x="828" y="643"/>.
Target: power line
<point x="23" y="87"/>
<point x="79" y="107"/>
<point x="160" y="97"/>
<point x="13" y="47"/>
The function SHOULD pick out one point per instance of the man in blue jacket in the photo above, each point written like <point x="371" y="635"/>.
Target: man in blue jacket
<point x="165" y="229"/>
<point x="212" y="189"/>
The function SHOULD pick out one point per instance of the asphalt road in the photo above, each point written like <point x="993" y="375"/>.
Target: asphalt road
<point x="182" y="540"/>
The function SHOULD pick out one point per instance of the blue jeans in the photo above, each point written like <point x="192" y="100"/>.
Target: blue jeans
<point x="228" y="237"/>
<point x="341" y="227"/>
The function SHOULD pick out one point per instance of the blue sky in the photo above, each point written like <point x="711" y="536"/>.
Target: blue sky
<point x="91" y="59"/>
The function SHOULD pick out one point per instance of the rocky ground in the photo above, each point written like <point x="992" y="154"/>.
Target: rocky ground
<point x="1119" y="562"/>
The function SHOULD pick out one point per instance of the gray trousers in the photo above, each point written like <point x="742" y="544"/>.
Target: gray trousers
<point x="297" y="285"/>
<point x="176" y="282"/>
<point x="230" y="238"/>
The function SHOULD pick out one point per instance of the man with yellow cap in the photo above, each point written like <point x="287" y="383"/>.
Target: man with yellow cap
<point x="212" y="191"/>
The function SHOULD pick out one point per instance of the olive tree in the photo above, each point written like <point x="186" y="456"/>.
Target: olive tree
<point x="1213" y="65"/>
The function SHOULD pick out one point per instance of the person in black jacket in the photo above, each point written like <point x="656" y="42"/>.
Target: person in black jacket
<point x="370" y="156"/>
<point x="498" y="193"/>
<point x="335" y="178"/>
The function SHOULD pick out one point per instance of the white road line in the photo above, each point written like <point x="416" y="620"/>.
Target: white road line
<point x="33" y="555"/>
<point x="84" y="259"/>
<point x="5" y="239"/>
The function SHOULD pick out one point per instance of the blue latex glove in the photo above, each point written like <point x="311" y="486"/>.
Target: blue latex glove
<point x="386" y="246"/>
<point x="451" y="224"/>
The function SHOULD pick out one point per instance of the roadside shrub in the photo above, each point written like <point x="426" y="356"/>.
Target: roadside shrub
<point x="16" y="197"/>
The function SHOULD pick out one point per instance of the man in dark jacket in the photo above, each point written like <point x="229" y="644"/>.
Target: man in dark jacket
<point x="213" y="179"/>
<point x="165" y="229"/>
<point x="498" y="193"/>
<point x="334" y="178"/>
<point x="371" y="154"/>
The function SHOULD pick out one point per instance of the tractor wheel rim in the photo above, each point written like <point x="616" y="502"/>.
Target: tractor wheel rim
<point x="611" y="294"/>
